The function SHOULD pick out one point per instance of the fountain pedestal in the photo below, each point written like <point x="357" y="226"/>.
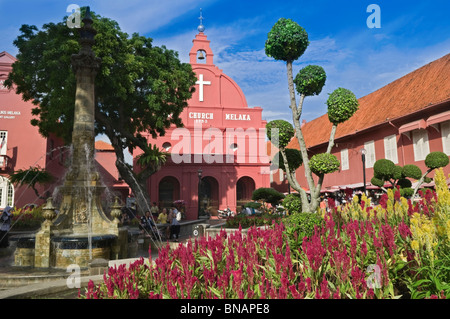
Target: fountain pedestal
<point x="81" y="231"/>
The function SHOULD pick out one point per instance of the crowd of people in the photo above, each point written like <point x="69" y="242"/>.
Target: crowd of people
<point x="159" y="223"/>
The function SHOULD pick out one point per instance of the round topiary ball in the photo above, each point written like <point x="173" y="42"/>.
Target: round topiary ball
<point x="294" y="158"/>
<point x="377" y="181"/>
<point x="384" y="167"/>
<point x="436" y="160"/>
<point x="404" y="183"/>
<point x="342" y="104"/>
<point x="283" y="132"/>
<point x="310" y="80"/>
<point x="324" y="163"/>
<point x="412" y="171"/>
<point x="286" y="41"/>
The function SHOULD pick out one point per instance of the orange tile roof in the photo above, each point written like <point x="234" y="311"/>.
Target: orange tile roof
<point x="103" y="146"/>
<point x="426" y="86"/>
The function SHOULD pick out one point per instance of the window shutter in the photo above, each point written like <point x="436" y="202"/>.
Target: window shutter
<point x="445" y="129"/>
<point x="390" y="148"/>
<point x="420" y="144"/>
<point x="344" y="159"/>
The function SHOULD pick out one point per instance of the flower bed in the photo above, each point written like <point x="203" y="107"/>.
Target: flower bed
<point x="394" y="250"/>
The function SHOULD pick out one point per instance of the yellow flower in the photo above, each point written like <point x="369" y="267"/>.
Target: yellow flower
<point x="415" y="245"/>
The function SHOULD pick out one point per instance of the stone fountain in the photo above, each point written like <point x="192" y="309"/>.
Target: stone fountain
<point x="81" y="231"/>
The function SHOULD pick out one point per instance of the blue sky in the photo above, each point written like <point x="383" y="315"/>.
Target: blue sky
<point x="354" y="56"/>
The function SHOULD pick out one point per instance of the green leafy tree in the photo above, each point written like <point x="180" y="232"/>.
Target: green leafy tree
<point x="140" y="89"/>
<point x="287" y="41"/>
<point x="32" y="176"/>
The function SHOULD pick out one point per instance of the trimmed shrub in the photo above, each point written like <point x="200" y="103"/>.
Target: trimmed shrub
<point x="286" y="41"/>
<point x="384" y="168"/>
<point x="324" y="163"/>
<point x="268" y="195"/>
<point x="294" y="158"/>
<point x="412" y="171"/>
<point x="342" y="104"/>
<point x="436" y="159"/>
<point x="285" y="132"/>
<point x="310" y="80"/>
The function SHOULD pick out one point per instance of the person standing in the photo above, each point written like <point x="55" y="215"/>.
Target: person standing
<point x="154" y="210"/>
<point x="175" y="224"/>
<point x="163" y="219"/>
<point x="5" y="225"/>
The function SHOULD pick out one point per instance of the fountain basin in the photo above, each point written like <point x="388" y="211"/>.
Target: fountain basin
<point x="64" y="250"/>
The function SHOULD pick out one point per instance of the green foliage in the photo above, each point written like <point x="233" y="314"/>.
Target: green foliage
<point x="254" y="205"/>
<point x="292" y="203"/>
<point x="301" y="225"/>
<point x="377" y="181"/>
<point x="406" y="191"/>
<point x="310" y="80"/>
<point x="384" y="169"/>
<point x="31" y="177"/>
<point x="152" y="156"/>
<point x="398" y="172"/>
<point x="268" y="195"/>
<point x="140" y="88"/>
<point x="324" y="163"/>
<point x="286" y="41"/>
<point x="285" y="132"/>
<point x="412" y="171"/>
<point x="342" y="104"/>
<point x="246" y="221"/>
<point x="404" y="183"/>
<point x="27" y="219"/>
<point x="436" y="159"/>
<point x="294" y="158"/>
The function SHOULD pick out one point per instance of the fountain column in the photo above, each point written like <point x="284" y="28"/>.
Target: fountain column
<point x="62" y="241"/>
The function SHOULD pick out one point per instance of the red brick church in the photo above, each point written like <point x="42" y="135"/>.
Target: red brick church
<point x="219" y="158"/>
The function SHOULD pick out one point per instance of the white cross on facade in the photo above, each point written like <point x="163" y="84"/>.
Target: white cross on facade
<point x="200" y="82"/>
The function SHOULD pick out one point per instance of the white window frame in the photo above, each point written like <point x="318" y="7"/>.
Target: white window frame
<point x="6" y="193"/>
<point x="345" y="164"/>
<point x="370" y="153"/>
<point x="4" y="147"/>
<point x="390" y="148"/>
<point x="420" y="144"/>
<point x="445" y="131"/>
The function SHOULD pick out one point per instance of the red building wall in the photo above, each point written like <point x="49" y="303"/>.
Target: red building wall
<point x="217" y="117"/>
<point x="417" y="102"/>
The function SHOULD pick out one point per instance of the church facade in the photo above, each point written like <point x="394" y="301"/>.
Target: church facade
<point x="219" y="157"/>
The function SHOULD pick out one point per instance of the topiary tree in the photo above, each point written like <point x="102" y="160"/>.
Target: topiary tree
<point x="267" y="195"/>
<point x="386" y="171"/>
<point x="294" y="159"/>
<point x="287" y="41"/>
<point x="432" y="161"/>
<point x="324" y="163"/>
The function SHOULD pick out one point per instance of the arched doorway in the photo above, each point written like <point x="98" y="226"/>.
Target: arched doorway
<point x="245" y="187"/>
<point x="169" y="191"/>
<point x="209" y="195"/>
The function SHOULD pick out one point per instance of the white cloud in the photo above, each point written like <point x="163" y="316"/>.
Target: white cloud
<point x="145" y="16"/>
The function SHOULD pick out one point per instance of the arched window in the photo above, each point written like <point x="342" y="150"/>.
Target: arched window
<point x="6" y="192"/>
